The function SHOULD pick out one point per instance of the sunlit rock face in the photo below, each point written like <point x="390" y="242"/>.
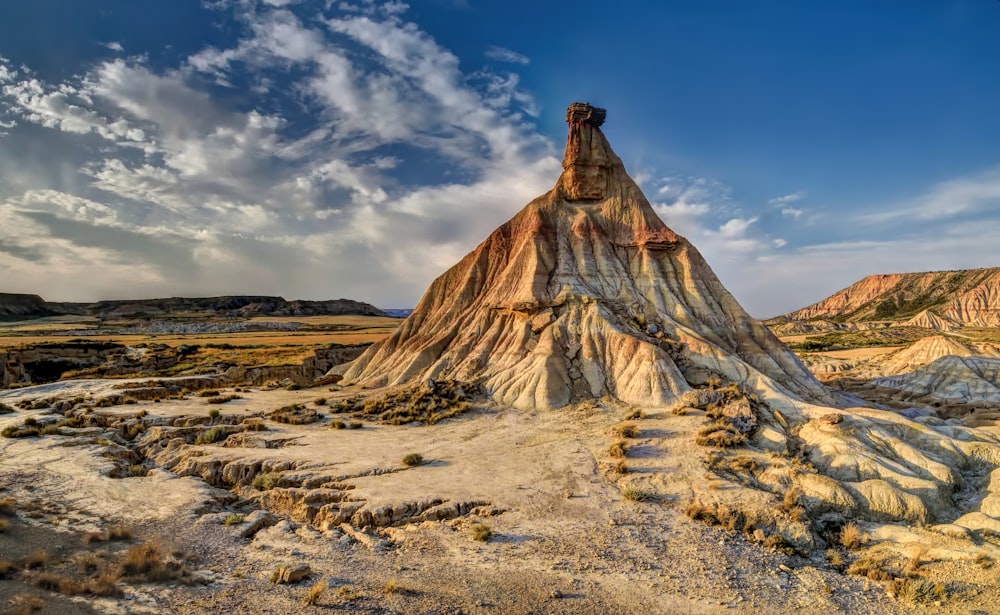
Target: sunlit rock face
<point x="584" y="293"/>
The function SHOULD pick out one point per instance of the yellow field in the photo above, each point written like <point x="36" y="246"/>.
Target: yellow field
<point x="348" y="320"/>
<point x="268" y="338"/>
<point x="859" y="353"/>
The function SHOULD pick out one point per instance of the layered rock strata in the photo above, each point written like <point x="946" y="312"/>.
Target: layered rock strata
<point x="584" y="293"/>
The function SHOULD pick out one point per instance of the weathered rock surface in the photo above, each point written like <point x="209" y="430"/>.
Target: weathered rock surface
<point x="929" y="349"/>
<point x="964" y="379"/>
<point x="938" y="300"/>
<point x="585" y="293"/>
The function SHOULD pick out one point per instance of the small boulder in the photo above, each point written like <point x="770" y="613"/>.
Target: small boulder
<point x="287" y="575"/>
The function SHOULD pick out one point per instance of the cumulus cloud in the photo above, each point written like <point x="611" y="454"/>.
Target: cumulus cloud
<point x="114" y="46"/>
<point x="791" y="211"/>
<point x="372" y="166"/>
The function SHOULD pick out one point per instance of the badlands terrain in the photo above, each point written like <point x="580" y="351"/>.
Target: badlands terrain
<point x="576" y="418"/>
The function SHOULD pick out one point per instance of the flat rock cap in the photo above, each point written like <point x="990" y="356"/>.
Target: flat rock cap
<point x="585" y="112"/>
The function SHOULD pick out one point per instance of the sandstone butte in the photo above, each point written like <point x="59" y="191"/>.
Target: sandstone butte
<point x="585" y="293"/>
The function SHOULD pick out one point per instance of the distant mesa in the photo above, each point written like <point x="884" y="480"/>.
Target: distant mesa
<point x="585" y="293"/>
<point x="23" y="307"/>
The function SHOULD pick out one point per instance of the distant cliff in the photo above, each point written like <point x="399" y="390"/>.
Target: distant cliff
<point x="21" y="307"/>
<point x="935" y="299"/>
<point x="18" y="307"/>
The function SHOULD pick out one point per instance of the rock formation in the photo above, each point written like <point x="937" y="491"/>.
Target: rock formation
<point x="584" y="293"/>
<point x="951" y="378"/>
<point x="930" y="349"/>
<point x="941" y="300"/>
<point x="17" y="307"/>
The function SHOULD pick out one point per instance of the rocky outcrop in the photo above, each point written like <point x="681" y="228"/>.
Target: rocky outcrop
<point x="48" y="362"/>
<point x="953" y="378"/>
<point x="925" y="351"/>
<point x="938" y="300"/>
<point x="18" y="307"/>
<point x="584" y="293"/>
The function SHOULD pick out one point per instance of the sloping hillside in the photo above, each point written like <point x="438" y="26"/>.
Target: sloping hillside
<point x="935" y="299"/>
<point x="18" y="307"/>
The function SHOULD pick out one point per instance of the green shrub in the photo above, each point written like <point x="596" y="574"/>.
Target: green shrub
<point x="211" y="436"/>
<point x="265" y="481"/>
<point x="234" y="519"/>
<point x="636" y="494"/>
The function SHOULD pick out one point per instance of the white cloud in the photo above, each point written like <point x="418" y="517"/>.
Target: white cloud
<point x="195" y="195"/>
<point x="735" y="228"/>
<point x="780" y="243"/>
<point x="114" y="46"/>
<point x="791" y="211"/>
<point x="788" y="198"/>
<point x="502" y="54"/>
<point x="948" y="199"/>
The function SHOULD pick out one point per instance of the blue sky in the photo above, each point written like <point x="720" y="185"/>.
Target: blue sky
<point x="320" y="149"/>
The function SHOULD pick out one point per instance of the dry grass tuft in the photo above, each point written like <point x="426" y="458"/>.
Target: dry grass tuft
<point x="835" y="558"/>
<point x="413" y="459"/>
<point x="295" y="414"/>
<point x="234" y="519"/>
<point x="871" y="568"/>
<point x="7" y="568"/>
<point x="984" y="561"/>
<point x="212" y="435"/>
<point x="315" y="593"/>
<point x="636" y="494"/>
<point x="349" y="593"/>
<point x="481" y="532"/>
<point x="7" y="506"/>
<point x="619" y="449"/>
<point x="37" y="560"/>
<point x="720" y="434"/>
<point x="147" y="562"/>
<point x="4" y="524"/>
<point x="627" y="430"/>
<point x="919" y="591"/>
<point x="851" y="536"/>
<point x="635" y="415"/>
<point x="265" y="481"/>
<point x="393" y="586"/>
<point x="254" y="425"/>
<point x="914" y="561"/>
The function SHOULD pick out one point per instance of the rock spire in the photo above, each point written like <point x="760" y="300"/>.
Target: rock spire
<point x="584" y="293"/>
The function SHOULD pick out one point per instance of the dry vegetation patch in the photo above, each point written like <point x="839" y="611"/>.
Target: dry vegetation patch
<point x="295" y="414"/>
<point x="428" y="403"/>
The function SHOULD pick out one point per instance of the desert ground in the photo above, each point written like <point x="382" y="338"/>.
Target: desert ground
<point x="573" y="528"/>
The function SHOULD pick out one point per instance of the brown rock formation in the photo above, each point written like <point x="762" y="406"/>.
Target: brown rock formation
<point x="584" y="293"/>
<point x="938" y="299"/>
